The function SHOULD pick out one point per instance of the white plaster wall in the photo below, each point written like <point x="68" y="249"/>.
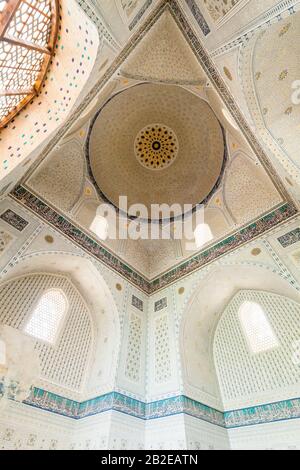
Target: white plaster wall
<point x="205" y="436"/>
<point x="23" y="427"/>
<point x="186" y="433"/>
<point x="283" y="435"/>
<point x="166" y="433"/>
<point x="26" y="428"/>
<point x="126" y="432"/>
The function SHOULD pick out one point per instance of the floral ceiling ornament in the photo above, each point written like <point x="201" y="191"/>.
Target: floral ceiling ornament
<point x="283" y="74"/>
<point x="285" y="29"/>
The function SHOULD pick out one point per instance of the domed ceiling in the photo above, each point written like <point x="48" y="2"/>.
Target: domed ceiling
<point x="156" y="144"/>
<point x="156" y="139"/>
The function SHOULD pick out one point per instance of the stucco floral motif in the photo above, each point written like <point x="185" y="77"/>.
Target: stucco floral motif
<point x="5" y="240"/>
<point x="285" y="29"/>
<point x="283" y="74"/>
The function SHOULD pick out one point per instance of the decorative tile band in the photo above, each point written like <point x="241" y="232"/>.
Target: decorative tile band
<point x="137" y="303"/>
<point x="280" y="411"/>
<point x="225" y="246"/>
<point x="160" y="304"/>
<point x="290" y="238"/>
<point x="263" y="414"/>
<point x="13" y="219"/>
<point x="58" y="221"/>
<point x="53" y="403"/>
<point x="117" y="402"/>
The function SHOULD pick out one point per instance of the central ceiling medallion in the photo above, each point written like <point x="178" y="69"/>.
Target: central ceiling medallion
<point x="156" y="144"/>
<point x="156" y="147"/>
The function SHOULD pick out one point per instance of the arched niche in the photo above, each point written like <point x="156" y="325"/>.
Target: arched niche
<point x="201" y="315"/>
<point x="64" y="356"/>
<point x="93" y="289"/>
<point x="268" y="373"/>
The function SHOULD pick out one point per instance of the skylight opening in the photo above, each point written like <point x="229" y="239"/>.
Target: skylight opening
<point x="47" y="317"/>
<point x="203" y="235"/>
<point x="257" y="329"/>
<point x="100" y="227"/>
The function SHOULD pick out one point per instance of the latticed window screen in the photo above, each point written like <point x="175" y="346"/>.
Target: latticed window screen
<point x="64" y="362"/>
<point x="28" y="30"/>
<point x="47" y="317"/>
<point x="257" y="329"/>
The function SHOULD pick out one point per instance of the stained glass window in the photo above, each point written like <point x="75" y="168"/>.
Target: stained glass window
<point x="28" y="30"/>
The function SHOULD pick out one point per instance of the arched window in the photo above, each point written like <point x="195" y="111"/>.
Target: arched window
<point x="100" y="227"/>
<point x="47" y="317"/>
<point x="203" y="235"/>
<point x="256" y="327"/>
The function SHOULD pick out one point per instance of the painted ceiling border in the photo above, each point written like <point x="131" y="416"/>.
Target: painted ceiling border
<point x="62" y="224"/>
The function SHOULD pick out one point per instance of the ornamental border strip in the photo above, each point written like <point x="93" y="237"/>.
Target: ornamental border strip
<point x="140" y="14"/>
<point x="114" y="401"/>
<point x="59" y="222"/>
